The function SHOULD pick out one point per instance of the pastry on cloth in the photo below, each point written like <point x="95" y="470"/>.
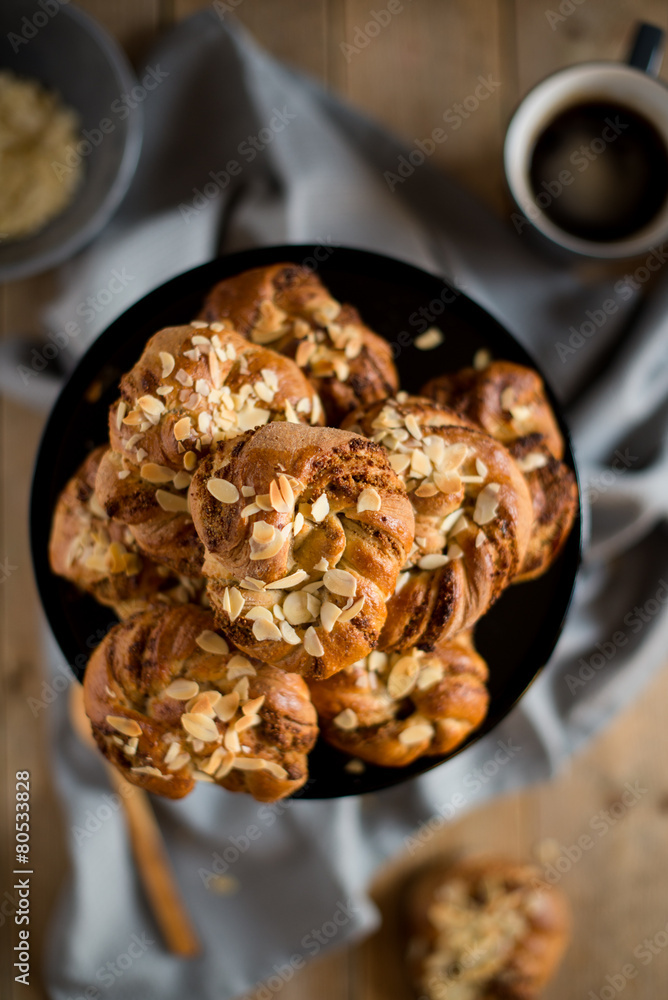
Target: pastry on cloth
<point x="171" y="704"/>
<point x="288" y="307"/>
<point x="100" y="556"/>
<point x="473" y="518"/>
<point x="484" y="929"/>
<point x="509" y="402"/>
<point x="192" y="386"/>
<point x="391" y="708"/>
<point x="305" y="529"/>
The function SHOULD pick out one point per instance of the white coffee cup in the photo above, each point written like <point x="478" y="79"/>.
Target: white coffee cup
<point x="633" y="86"/>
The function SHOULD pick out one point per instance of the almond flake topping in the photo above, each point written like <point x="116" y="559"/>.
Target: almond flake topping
<point x="200" y="726"/>
<point x="328" y="615"/>
<point x="487" y="504"/>
<point x="416" y="734"/>
<point x="320" y="509"/>
<point x="263" y="630"/>
<point x="403" y="676"/>
<point x="349" y="613"/>
<point x="171" y="503"/>
<point x="154" y="473"/>
<point x="340" y="581"/>
<point x="347" y="719"/>
<point x="223" y="490"/>
<point x="288" y="581"/>
<point x="182" y="689"/>
<point x="182" y="428"/>
<point x="128" y="727"/>
<point x="211" y="642"/>
<point x="227" y="706"/>
<point x="167" y="361"/>
<point x="430" y="339"/>
<point x="369" y="499"/>
<point x="312" y="643"/>
<point x="433" y="561"/>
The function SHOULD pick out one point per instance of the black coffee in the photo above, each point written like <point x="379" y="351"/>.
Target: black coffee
<point x="600" y="171"/>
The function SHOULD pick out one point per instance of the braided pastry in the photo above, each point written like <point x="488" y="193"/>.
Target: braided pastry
<point x="288" y="307"/>
<point x="170" y="704"/>
<point x="473" y="518"/>
<point x="305" y="529"/>
<point x="484" y="929"/>
<point x="509" y="402"/>
<point x="157" y="516"/>
<point x="100" y="555"/>
<point x="192" y="386"/>
<point x="391" y="708"/>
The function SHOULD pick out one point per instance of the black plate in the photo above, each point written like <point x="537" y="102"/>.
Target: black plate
<point x="518" y="634"/>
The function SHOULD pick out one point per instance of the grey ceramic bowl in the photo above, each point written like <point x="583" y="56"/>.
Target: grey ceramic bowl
<point x="69" y="52"/>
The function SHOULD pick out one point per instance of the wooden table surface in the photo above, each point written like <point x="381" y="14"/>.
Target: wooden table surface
<point x="425" y="60"/>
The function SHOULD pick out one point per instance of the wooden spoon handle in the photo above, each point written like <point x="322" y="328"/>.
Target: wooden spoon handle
<point x="148" y="848"/>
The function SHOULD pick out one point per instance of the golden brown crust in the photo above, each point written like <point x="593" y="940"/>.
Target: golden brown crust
<point x="554" y="496"/>
<point x="288" y="307"/>
<point x="484" y="929"/>
<point x="99" y="554"/>
<point x="390" y="709"/>
<point x="163" y="534"/>
<point x="509" y="402"/>
<point x="473" y="518"/>
<point x="294" y="502"/>
<point x="195" y="385"/>
<point x="506" y="399"/>
<point x="125" y="693"/>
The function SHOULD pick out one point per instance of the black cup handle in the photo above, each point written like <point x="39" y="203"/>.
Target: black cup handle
<point x="647" y="49"/>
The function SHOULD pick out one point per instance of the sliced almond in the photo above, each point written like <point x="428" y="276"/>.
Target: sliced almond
<point x="128" y="727"/>
<point x="534" y="460"/>
<point x="487" y="504"/>
<point x="153" y="407"/>
<point x="430" y="339"/>
<point x="226" y="765"/>
<point x="328" y="615"/>
<point x="257" y="612"/>
<point x="402" y="677"/>
<point x="417" y="733"/>
<point x="173" y="750"/>
<point x="182" y="689"/>
<point x="413" y="427"/>
<point x="433" y="561"/>
<point x="369" y="499"/>
<point x="167" y="361"/>
<point x="264" y="630"/>
<point x="200" y="726"/>
<point x="288" y="581"/>
<point x="190" y="461"/>
<point x="312" y="643"/>
<point x="211" y="642"/>
<point x="253" y="706"/>
<point x="249" y="764"/>
<point x="352" y="611"/>
<point x="429" y="676"/>
<point x="400" y="462"/>
<point x="153" y="772"/>
<point x="247" y="722"/>
<point x="223" y="490"/>
<point x="171" y="502"/>
<point x="426" y="490"/>
<point x="320" y="509"/>
<point x="347" y="719"/>
<point x="275" y="770"/>
<point x="237" y="603"/>
<point x="341" y="582"/>
<point x="231" y="741"/>
<point x="179" y="762"/>
<point x="289" y="634"/>
<point x="226" y="706"/>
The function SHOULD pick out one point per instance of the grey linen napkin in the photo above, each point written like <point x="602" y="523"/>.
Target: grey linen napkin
<point x="301" y="867"/>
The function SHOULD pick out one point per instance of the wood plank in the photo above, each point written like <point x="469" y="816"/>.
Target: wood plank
<point x="548" y="40"/>
<point x="293" y="30"/>
<point x="426" y="63"/>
